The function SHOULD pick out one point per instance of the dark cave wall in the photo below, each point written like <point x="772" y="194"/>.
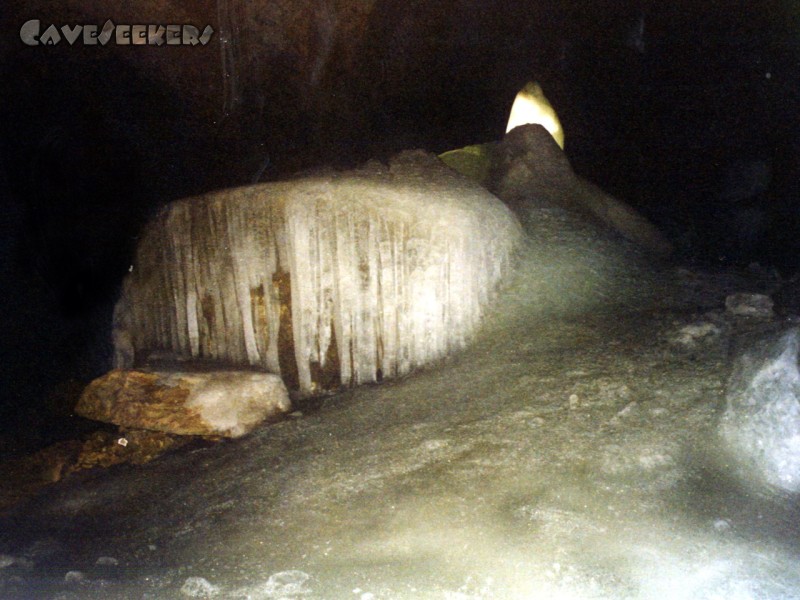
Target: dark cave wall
<point x="285" y="85"/>
<point x="305" y="82"/>
<point x="96" y="137"/>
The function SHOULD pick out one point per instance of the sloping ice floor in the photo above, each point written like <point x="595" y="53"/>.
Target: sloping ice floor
<point x="568" y="453"/>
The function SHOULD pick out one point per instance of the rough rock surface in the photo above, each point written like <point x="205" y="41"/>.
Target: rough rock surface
<point x="224" y="403"/>
<point x="529" y="169"/>
<point x="23" y="476"/>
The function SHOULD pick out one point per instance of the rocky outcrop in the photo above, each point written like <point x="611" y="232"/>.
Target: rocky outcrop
<point x="530" y="170"/>
<point x="213" y="403"/>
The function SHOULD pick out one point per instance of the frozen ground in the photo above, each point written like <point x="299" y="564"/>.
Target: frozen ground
<point x="567" y="454"/>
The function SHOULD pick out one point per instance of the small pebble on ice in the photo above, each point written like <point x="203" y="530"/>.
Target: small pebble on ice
<point x="689" y="335"/>
<point x="287" y="583"/>
<point x="199" y="587"/>
<point x="722" y="525"/>
<point x="74" y="577"/>
<point x="574" y="401"/>
<point x="431" y="445"/>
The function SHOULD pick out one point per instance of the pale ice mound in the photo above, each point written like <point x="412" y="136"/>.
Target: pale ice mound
<point x="761" y="424"/>
<point x="344" y="278"/>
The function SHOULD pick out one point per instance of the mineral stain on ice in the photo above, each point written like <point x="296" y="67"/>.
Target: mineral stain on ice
<point x="329" y="280"/>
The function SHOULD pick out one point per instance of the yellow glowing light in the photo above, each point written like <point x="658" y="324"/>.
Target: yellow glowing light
<point x="531" y="106"/>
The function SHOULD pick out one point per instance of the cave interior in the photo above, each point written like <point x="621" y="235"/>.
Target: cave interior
<point x="686" y="111"/>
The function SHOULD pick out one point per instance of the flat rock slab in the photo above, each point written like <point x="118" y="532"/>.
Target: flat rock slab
<point x="225" y="403"/>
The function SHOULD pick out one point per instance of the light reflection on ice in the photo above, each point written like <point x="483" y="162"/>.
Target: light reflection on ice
<point x="475" y="479"/>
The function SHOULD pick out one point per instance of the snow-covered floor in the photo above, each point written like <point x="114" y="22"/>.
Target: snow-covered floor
<point x="568" y="453"/>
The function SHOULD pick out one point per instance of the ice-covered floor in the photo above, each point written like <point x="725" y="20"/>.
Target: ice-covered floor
<point x="567" y="454"/>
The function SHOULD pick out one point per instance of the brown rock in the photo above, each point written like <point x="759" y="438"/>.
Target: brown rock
<point x="136" y="446"/>
<point x="224" y="403"/>
<point x="24" y="476"/>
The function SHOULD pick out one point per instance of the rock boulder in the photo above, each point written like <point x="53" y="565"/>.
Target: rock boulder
<point x="760" y="428"/>
<point x="221" y="403"/>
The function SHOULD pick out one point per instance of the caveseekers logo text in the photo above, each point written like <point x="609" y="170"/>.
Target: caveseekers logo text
<point x="122" y="35"/>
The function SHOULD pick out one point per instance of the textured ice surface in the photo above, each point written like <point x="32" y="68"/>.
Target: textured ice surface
<point x="761" y="424"/>
<point x="386" y="268"/>
<point x="562" y="455"/>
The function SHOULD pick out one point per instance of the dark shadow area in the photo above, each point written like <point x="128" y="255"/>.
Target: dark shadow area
<point x="88" y="155"/>
<point x="715" y="498"/>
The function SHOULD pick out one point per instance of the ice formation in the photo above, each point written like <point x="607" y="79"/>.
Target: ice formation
<point x="531" y="106"/>
<point x="761" y="424"/>
<point x="329" y="279"/>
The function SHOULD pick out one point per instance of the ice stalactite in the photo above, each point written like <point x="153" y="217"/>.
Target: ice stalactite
<point x="342" y="278"/>
<point x="325" y="25"/>
<point x="229" y="32"/>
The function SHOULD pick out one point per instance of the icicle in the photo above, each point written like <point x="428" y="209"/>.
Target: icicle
<point x="191" y="322"/>
<point x="327" y="280"/>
